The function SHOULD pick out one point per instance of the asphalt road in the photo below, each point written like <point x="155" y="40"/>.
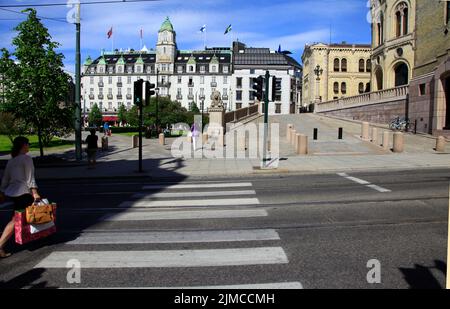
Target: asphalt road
<point x="290" y="231"/>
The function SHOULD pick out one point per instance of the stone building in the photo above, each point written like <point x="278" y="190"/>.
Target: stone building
<point x="393" y="42"/>
<point x="188" y="76"/>
<point x="345" y="71"/>
<point x="429" y="99"/>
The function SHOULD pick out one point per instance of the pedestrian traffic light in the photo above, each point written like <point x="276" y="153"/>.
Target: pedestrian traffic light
<point x="138" y="85"/>
<point x="149" y="92"/>
<point x="276" y="87"/>
<point x="258" y="86"/>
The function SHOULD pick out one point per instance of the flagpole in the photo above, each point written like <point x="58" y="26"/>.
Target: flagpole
<point x="112" y="41"/>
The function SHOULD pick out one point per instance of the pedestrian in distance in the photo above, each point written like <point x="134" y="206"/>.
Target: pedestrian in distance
<point x="92" y="147"/>
<point x="195" y="133"/>
<point x="107" y="129"/>
<point x="18" y="183"/>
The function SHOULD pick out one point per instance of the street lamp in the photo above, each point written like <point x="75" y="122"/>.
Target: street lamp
<point x="157" y="99"/>
<point x="318" y="71"/>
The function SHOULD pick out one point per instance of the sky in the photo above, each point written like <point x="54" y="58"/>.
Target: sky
<point x="257" y="23"/>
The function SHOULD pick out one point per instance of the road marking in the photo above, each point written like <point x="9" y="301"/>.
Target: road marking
<point x="379" y="189"/>
<point x="188" y="203"/>
<point x="357" y="180"/>
<point x="167" y="258"/>
<point x="174" y="237"/>
<point x="364" y="182"/>
<point x="185" y="215"/>
<point x="199" y="186"/>
<point x="260" y="286"/>
<point x="193" y="194"/>
<point x="7" y="204"/>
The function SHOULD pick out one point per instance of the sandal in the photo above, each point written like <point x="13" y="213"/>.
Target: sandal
<point x="3" y="254"/>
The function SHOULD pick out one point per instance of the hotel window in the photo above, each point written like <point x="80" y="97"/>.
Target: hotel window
<point x="202" y="80"/>
<point x="179" y="79"/>
<point x="129" y="105"/>
<point x="119" y="91"/>
<point x="100" y="105"/>
<point x="191" y="91"/>
<point x="101" y="69"/>
<point x="129" y="69"/>
<point x="225" y="92"/>
<point x="202" y="92"/>
<point x="129" y="80"/>
<point x="225" y="69"/>
<point x="214" y="69"/>
<point x="128" y="90"/>
<point x="336" y="88"/>
<point x="180" y="69"/>
<point x="225" y="80"/>
<point x="401" y="19"/>
<point x="179" y="91"/>
<point x="213" y="79"/>
<point x="110" y="91"/>
<point x="191" y="81"/>
<point x="344" y="88"/>
<point x="239" y="95"/>
<point x="138" y="69"/>
<point x="361" y="88"/>
<point x="191" y="68"/>
<point x="239" y="82"/>
<point x="100" y="90"/>
<point x="336" y="65"/>
<point x="238" y="105"/>
<point x="344" y="65"/>
<point x="252" y="71"/>
<point x="251" y="95"/>
<point x="119" y="69"/>
<point x="110" y="105"/>
<point x="91" y="80"/>
<point x="91" y="91"/>
<point x="202" y="69"/>
<point x="119" y="79"/>
<point x="110" y="80"/>
<point x="361" y="65"/>
<point x="422" y="89"/>
<point x="447" y="12"/>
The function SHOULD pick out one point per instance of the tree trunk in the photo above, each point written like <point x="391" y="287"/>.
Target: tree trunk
<point x="41" y="146"/>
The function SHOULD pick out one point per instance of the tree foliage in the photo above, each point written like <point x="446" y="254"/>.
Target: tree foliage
<point x="95" y="116"/>
<point x="37" y="90"/>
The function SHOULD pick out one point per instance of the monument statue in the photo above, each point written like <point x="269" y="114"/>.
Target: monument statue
<point x="216" y="99"/>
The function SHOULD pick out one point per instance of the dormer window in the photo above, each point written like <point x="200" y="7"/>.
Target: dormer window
<point x="101" y="70"/>
<point x="191" y="68"/>
<point x="225" y="69"/>
<point x="214" y="69"/>
<point x="138" y="69"/>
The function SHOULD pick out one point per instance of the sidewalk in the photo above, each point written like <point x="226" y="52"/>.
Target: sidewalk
<point x="352" y="154"/>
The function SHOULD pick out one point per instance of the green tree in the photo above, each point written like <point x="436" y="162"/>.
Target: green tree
<point x="95" y="116"/>
<point x="122" y="114"/>
<point x="132" y="116"/>
<point x="11" y="126"/>
<point x="37" y="87"/>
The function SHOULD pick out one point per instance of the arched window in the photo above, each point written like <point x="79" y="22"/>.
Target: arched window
<point x="344" y="88"/>
<point x="380" y="29"/>
<point x="401" y="74"/>
<point x="344" y="65"/>
<point x="336" y="65"/>
<point x="361" y="65"/>
<point x="368" y="65"/>
<point x="368" y="87"/>
<point x="379" y="78"/>
<point x="401" y="19"/>
<point x="361" y="88"/>
<point x="336" y="88"/>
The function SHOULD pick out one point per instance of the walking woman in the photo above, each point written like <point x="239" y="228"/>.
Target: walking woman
<point x="19" y="184"/>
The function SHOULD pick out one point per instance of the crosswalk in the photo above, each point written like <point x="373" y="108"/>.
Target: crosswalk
<point x="143" y="250"/>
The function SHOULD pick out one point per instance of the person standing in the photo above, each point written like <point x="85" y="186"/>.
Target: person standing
<point x="195" y="132"/>
<point x="92" y="147"/>
<point x="19" y="184"/>
<point x="106" y="129"/>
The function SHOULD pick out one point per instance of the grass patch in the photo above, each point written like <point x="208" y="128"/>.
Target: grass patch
<point x="55" y="144"/>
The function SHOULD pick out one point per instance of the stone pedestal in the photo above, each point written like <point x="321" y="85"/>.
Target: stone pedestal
<point x="162" y="139"/>
<point x="288" y="132"/>
<point x="365" y="131"/>
<point x="440" y="144"/>
<point x="302" y="144"/>
<point x="375" y="136"/>
<point x="386" y="141"/>
<point x="398" y="142"/>
<point x="293" y="136"/>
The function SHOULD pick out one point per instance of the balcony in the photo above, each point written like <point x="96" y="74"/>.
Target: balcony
<point x="119" y="85"/>
<point x="91" y="96"/>
<point x="129" y="96"/>
<point x="179" y="97"/>
<point x="225" y="97"/>
<point x="164" y="85"/>
<point x="100" y="96"/>
<point x="110" y="96"/>
<point x="202" y="97"/>
<point x="100" y="84"/>
<point x="191" y="97"/>
<point x="213" y="84"/>
<point x="119" y="97"/>
<point x="191" y="85"/>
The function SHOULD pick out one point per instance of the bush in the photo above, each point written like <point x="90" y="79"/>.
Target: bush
<point x="124" y="129"/>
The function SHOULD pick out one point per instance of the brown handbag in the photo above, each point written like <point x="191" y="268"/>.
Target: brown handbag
<point x="39" y="214"/>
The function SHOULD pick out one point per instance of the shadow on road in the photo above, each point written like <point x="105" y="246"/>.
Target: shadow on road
<point x="421" y="277"/>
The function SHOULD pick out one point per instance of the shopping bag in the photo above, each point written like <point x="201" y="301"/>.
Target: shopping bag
<point x="25" y="232"/>
<point x="39" y="213"/>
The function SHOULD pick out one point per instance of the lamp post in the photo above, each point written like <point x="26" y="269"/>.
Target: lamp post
<point x="318" y="71"/>
<point x="157" y="99"/>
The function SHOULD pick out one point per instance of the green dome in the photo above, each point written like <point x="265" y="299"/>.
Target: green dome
<point x="140" y="60"/>
<point x="88" y="61"/>
<point x="102" y="61"/>
<point x="167" y="25"/>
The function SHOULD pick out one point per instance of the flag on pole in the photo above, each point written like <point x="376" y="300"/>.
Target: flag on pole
<point x="229" y="28"/>
<point x="279" y="49"/>
<point x="203" y="29"/>
<point x="142" y="33"/>
<point x="110" y="33"/>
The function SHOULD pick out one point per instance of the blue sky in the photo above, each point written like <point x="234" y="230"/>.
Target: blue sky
<point x="258" y="23"/>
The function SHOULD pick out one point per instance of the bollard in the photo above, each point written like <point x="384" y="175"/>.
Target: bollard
<point x="440" y="144"/>
<point x="104" y="143"/>
<point x="296" y="139"/>
<point x="375" y="136"/>
<point x="162" y="139"/>
<point x="398" y="142"/>
<point x="293" y="134"/>
<point x="135" y="141"/>
<point x="386" y="135"/>
<point x="365" y="131"/>
<point x="302" y="144"/>
<point x="340" y="133"/>
<point x="316" y="134"/>
<point x="205" y="138"/>
<point x="288" y="132"/>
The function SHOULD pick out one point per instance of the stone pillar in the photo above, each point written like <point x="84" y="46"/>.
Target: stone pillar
<point x="135" y="141"/>
<point x="162" y="139"/>
<point x="375" y="136"/>
<point x="440" y="144"/>
<point x="302" y="144"/>
<point x="296" y="139"/>
<point x="288" y="132"/>
<point x="386" y="141"/>
<point x="365" y="131"/>
<point x="398" y="142"/>
<point x="293" y="134"/>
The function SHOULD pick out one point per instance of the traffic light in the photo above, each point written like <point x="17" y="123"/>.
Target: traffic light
<point x="149" y="92"/>
<point x="276" y="87"/>
<point x="138" y="99"/>
<point x="258" y="86"/>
